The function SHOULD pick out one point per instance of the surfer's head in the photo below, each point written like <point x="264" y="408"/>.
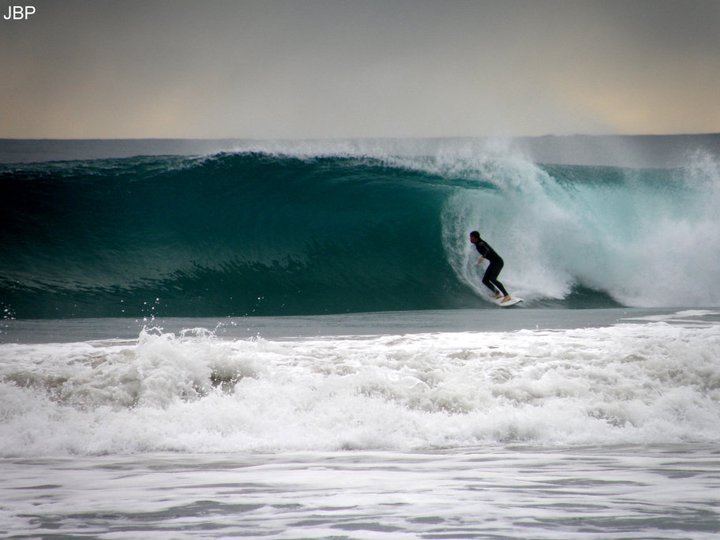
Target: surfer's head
<point x="474" y="237"/>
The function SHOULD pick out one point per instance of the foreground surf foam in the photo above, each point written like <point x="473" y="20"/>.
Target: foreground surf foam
<point x="654" y="382"/>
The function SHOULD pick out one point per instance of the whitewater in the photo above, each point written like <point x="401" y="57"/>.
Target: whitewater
<point x="291" y="340"/>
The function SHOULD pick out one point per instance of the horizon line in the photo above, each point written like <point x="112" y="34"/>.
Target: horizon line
<point x="361" y="138"/>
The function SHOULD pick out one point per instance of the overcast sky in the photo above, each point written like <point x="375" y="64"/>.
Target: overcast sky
<point x="360" y="68"/>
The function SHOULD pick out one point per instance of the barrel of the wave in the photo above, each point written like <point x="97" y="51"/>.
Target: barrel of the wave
<point x="226" y="235"/>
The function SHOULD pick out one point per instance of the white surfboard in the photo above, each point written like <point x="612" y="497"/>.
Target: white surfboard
<point x="514" y="300"/>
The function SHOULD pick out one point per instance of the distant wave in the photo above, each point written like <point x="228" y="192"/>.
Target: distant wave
<point x="258" y="233"/>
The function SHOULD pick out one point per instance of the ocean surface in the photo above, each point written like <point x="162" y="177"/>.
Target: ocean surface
<point x="214" y="339"/>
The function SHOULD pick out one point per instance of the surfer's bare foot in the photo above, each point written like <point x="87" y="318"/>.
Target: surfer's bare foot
<point x="498" y="296"/>
<point x="506" y="298"/>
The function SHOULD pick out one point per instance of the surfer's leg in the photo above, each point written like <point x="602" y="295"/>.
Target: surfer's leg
<point x="488" y="283"/>
<point x="490" y="279"/>
<point x="502" y="289"/>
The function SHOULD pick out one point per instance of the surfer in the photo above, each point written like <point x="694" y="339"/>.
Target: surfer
<point x="493" y="270"/>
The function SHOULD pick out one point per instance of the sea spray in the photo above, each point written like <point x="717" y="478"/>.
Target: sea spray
<point x="644" y="238"/>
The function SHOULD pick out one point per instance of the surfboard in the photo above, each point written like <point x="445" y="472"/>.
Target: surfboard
<point x="513" y="301"/>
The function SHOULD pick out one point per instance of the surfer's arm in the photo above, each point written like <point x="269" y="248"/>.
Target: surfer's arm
<point x="481" y="259"/>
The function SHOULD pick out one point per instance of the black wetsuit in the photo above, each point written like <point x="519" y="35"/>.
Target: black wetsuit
<point x="493" y="271"/>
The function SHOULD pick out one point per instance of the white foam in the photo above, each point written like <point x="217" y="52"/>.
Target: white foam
<point x="649" y="383"/>
<point x="642" y="244"/>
